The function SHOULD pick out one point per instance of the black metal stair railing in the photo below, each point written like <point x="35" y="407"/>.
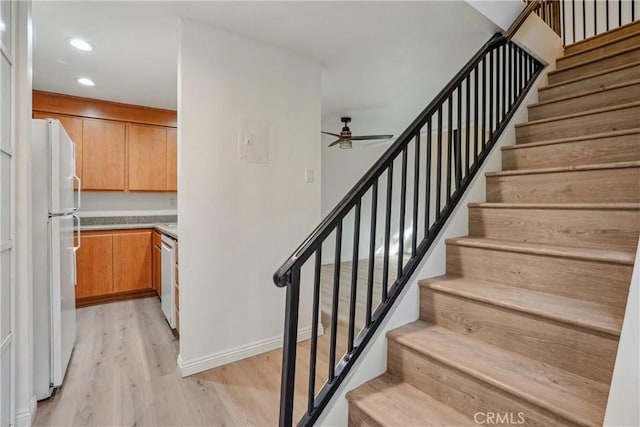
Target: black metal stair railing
<point x="353" y="273"/>
<point x="576" y="20"/>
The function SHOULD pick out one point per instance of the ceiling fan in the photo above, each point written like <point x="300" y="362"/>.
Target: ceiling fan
<point x="345" y="138"/>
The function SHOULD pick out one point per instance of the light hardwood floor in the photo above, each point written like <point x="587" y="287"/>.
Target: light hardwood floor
<point x="123" y="373"/>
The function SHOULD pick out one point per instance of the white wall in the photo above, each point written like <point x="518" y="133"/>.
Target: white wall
<point x="239" y="221"/>
<point x="624" y="395"/>
<point x="373" y="361"/>
<point x="112" y="203"/>
<point x="501" y="12"/>
<point x="25" y="402"/>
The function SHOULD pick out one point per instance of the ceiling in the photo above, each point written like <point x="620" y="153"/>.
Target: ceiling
<point x="371" y="52"/>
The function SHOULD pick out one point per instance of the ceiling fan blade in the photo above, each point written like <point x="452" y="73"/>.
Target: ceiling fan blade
<point x="332" y="134"/>
<point x="334" y="143"/>
<point x="364" y="137"/>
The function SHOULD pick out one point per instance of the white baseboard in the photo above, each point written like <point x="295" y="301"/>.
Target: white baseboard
<point x="25" y="417"/>
<point x="234" y="354"/>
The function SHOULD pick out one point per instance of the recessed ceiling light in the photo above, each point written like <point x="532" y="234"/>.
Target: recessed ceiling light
<point x="81" y="44"/>
<point x="85" y="81"/>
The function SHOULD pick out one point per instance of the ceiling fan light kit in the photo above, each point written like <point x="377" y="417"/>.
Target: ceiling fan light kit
<point x="345" y="138"/>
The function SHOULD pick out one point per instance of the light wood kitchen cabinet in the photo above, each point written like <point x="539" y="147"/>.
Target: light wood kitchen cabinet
<point x="172" y="160"/>
<point x="103" y="155"/>
<point x="94" y="265"/>
<point x="147" y="155"/>
<point x="120" y="147"/>
<point x="73" y="126"/>
<point x="156" y="261"/>
<point x="113" y="265"/>
<point x="132" y="261"/>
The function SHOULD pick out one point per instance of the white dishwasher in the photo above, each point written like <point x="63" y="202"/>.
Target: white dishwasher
<point x="168" y="279"/>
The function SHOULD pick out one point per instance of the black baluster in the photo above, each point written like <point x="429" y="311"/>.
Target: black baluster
<point x="458" y="141"/>
<point x="372" y="250"/>
<point x="595" y="16"/>
<point x="354" y="277"/>
<point x="449" y="145"/>
<point x="439" y="166"/>
<point x="607" y="16"/>
<point x="313" y="352"/>
<point x="468" y="117"/>
<point x="403" y="208"/>
<point x="504" y="82"/>
<point x="573" y="17"/>
<point x="490" y="94"/>
<point x="497" y="77"/>
<point x="510" y="80"/>
<point x="475" y="114"/>
<point x="483" y="137"/>
<point x="427" y="173"/>
<point x="334" y="305"/>
<point x="564" y="27"/>
<point x="387" y="234"/>
<point x="416" y="188"/>
<point x="620" y="12"/>
<point x="584" y="19"/>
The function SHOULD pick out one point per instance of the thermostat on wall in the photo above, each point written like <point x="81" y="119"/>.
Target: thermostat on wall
<point x="253" y="141"/>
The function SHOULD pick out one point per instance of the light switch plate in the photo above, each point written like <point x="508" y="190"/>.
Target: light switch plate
<point x="308" y="175"/>
<point x="253" y="141"/>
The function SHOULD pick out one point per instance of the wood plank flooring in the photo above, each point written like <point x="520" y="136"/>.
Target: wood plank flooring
<point x="123" y="373"/>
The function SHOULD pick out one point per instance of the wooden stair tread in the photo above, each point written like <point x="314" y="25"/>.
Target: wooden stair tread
<point x="580" y="114"/>
<point x="574" y="252"/>
<point x="612" y="34"/>
<point x="614" y="165"/>
<point x="391" y="401"/>
<point x="591" y="61"/>
<point x="569" y="206"/>
<point x="602" y="135"/>
<point x="589" y="76"/>
<point x="600" y="46"/>
<point x="586" y="93"/>
<point x="584" y="314"/>
<point x="574" y="398"/>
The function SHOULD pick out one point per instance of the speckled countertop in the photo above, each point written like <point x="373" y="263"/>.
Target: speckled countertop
<point x="166" y="224"/>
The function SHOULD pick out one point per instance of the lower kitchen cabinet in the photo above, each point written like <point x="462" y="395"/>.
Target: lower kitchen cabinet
<point x="94" y="265"/>
<point x="156" y="262"/>
<point x="114" y="265"/>
<point x="132" y="261"/>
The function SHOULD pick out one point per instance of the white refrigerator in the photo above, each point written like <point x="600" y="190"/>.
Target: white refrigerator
<point x="54" y="253"/>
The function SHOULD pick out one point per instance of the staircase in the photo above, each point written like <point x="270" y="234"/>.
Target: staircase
<point x="523" y="329"/>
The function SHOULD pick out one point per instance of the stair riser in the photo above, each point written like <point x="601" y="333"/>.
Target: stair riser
<point x="593" y="67"/>
<point x="359" y="418"/>
<point x="589" y="124"/>
<point x="466" y="394"/>
<point x="576" y="153"/>
<point x="600" y="51"/>
<point x="583" y="353"/>
<point x="604" y="283"/>
<point x="610" y="229"/>
<point x="614" y="34"/>
<point x="582" y="186"/>
<point x="608" y="98"/>
<point x="587" y="85"/>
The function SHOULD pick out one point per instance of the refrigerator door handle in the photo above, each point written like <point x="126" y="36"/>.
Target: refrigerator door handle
<point x="77" y="178"/>
<point x="77" y="218"/>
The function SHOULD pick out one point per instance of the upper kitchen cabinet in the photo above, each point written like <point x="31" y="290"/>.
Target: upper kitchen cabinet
<point x="119" y="147"/>
<point x="103" y="155"/>
<point x="172" y="160"/>
<point x="147" y="153"/>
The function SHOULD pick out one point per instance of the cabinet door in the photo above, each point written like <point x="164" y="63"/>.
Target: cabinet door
<point x="131" y="261"/>
<point x="103" y="154"/>
<point x="73" y="126"/>
<point x="172" y="160"/>
<point x="94" y="265"/>
<point x="147" y="148"/>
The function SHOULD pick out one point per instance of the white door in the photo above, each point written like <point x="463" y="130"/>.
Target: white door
<point x="7" y="17"/>
<point x="63" y="299"/>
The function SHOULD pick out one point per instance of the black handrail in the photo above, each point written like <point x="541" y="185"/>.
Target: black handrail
<point x="567" y="20"/>
<point x="501" y="94"/>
